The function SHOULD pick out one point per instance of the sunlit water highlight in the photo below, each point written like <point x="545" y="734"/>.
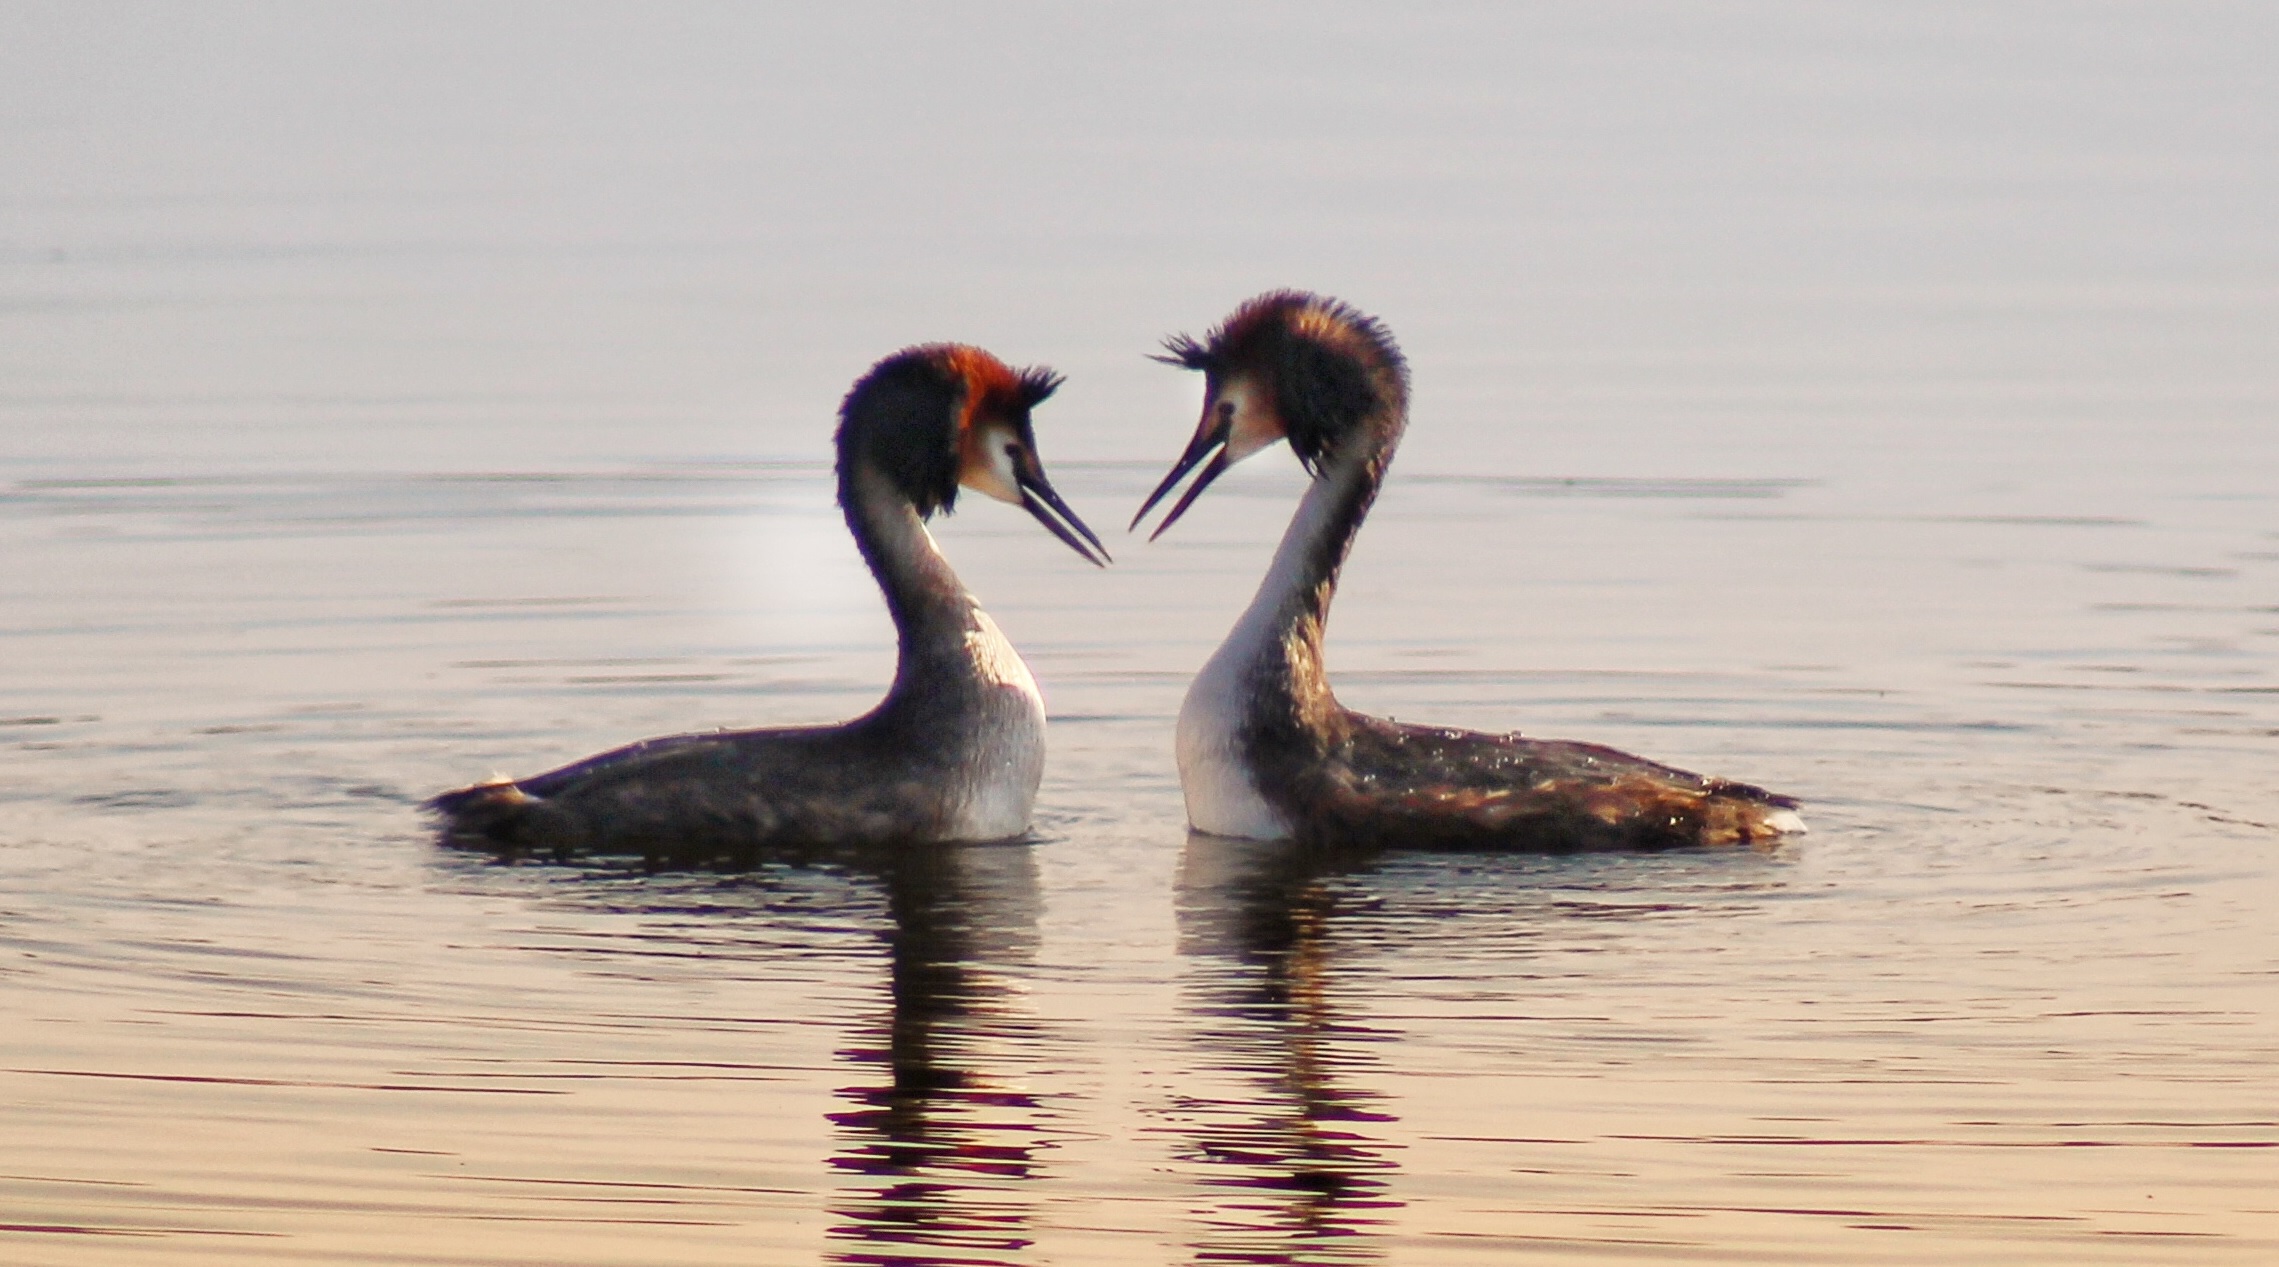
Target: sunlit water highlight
<point x="2014" y="991"/>
<point x="1874" y="402"/>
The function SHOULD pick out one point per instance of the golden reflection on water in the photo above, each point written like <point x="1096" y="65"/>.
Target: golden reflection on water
<point x="2009" y="999"/>
<point x="1293" y="1168"/>
<point x="942" y="1143"/>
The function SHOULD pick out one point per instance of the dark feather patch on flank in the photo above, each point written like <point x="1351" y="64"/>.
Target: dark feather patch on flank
<point x="912" y="394"/>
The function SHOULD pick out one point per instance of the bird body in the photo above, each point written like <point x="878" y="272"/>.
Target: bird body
<point x="956" y="749"/>
<point x="1266" y="751"/>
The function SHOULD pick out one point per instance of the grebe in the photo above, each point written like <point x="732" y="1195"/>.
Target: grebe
<point x="956" y="749"/>
<point x="1265" y="750"/>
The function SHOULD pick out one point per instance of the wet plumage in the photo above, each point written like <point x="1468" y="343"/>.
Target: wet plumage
<point x="956" y="749"/>
<point x="1265" y="749"/>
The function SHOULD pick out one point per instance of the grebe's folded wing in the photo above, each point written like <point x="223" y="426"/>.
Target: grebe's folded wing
<point x="1395" y="784"/>
<point x="697" y="795"/>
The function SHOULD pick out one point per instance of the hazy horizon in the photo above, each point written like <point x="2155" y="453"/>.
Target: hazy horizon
<point x="1641" y="239"/>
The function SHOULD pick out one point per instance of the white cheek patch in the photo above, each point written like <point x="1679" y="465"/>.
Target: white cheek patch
<point x="1255" y="424"/>
<point x="988" y="464"/>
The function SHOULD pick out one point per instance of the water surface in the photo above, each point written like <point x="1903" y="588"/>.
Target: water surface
<point x="2013" y="991"/>
<point x="1873" y="406"/>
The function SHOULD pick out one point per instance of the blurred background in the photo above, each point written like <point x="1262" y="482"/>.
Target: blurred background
<point x="2020" y="242"/>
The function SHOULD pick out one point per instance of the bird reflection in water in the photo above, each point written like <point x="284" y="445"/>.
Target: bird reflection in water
<point x="937" y="1149"/>
<point x="1290" y="1165"/>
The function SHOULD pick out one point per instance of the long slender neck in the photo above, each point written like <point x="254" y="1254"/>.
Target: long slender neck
<point x="1281" y="633"/>
<point x="959" y="738"/>
<point x="932" y="612"/>
<point x="1261" y="711"/>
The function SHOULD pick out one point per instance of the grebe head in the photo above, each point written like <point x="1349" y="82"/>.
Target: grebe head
<point x="942" y="416"/>
<point x="1287" y="365"/>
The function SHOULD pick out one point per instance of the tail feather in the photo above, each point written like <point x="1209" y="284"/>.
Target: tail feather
<point x="1745" y="812"/>
<point x="488" y="810"/>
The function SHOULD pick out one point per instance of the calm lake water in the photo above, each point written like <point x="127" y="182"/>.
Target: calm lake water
<point x="1880" y="410"/>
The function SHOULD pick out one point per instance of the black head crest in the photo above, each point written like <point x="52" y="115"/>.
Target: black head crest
<point x="1035" y="385"/>
<point x="1183" y="351"/>
<point x="1330" y="366"/>
<point x="909" y="414"/>
<point x="902" y="417"/>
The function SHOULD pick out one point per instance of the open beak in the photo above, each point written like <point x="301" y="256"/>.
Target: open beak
<point x="1210" y="441"/>
<point x="1039" y="500"/>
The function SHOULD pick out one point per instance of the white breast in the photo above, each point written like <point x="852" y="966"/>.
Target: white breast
<point x="1222" y="797"/>
<point x="1222" y="790"/>
<point x="1008" y="742"/>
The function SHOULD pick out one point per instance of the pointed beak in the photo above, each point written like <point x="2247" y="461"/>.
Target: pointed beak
<point x="1210" y="442"/>
<point x="1039" y="499"/>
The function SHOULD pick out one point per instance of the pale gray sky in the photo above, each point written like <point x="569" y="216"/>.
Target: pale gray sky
<point x="1745" y="238"/>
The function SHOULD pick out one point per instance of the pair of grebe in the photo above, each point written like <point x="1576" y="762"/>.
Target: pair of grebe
<point x="956" y="750"/>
